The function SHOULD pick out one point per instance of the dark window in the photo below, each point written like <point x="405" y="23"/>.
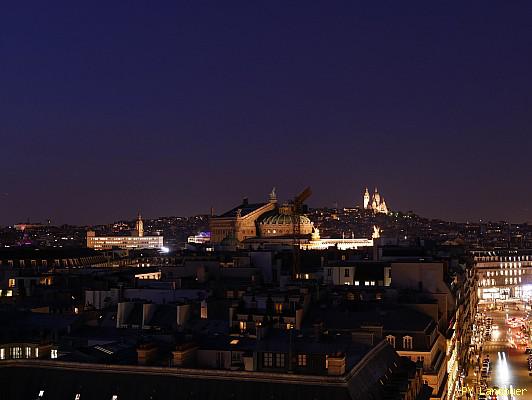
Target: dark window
<point x="279" y="360"/>
<point x="268" y="360"/>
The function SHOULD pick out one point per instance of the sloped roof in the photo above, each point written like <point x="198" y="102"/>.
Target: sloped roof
<point x="25" y="383"/>
<point x="244" y="210"/>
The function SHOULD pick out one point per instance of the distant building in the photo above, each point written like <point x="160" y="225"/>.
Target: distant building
<point x="375" y="203"/>
<point x="240" y="222"/>
<point x="200" y="238"/>
<point x="270" y="224"/>
<point x="27" y="226"/>
<point x="136" y="241"/>
<point x="139" y="227"/>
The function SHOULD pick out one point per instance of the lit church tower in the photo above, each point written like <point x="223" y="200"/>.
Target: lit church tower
<point x="375" y="202"/>
<point x="366" y="199"/>
<point x="377" y="197"/>
<point x="383" y="208"/>
<point x="139" y="226"/>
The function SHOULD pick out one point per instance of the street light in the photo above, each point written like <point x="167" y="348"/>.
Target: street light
<point x="290" y="327"/>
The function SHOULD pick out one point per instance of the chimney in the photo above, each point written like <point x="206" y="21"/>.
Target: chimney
<point x="245" y="201"/>
<point x="318" y="330"/>
<point x="146" y="353"/>
<point x="232" y="309"/>
<point x="336" y="364"/>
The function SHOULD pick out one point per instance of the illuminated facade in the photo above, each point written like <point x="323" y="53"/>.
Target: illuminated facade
<point x="240" y="222"/>
<point x="317" y="243"/>
<point x="264" y="220"/>
<point x="200" y="238"/>
<point x="268" y="224"/>
<point x="503" y="274"/>
<point x="139" y="227"/>
<point x="136" y="241"/>
<point x="375" y="203"/>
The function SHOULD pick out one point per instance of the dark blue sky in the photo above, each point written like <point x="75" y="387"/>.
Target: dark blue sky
<point x="172" y="107"/>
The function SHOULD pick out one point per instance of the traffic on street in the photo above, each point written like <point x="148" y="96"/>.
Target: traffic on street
<point x="501" y="357"/>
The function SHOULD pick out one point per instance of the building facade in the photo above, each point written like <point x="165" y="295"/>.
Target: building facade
<point x="503" y="274"/>
<point x="136" y="241"/>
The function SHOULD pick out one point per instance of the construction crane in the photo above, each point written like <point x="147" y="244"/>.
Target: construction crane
<point x="297" y="210"/>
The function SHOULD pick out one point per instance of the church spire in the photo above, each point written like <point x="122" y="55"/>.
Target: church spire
<point x="139" y="226"/>
<point x="366" y="198"/>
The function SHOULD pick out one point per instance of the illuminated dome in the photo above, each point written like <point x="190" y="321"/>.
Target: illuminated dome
<point x="285" y="219"/>
<point x="281" y="223"/>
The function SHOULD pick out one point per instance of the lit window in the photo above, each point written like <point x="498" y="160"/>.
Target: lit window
<point x="366" y="283"/>
<point x="357" y="283"/>
<point x="11" y="283"/>
<point x="2" y="354"/>
<point x="302" y="360"/>
<point x="16" y="352"/>
<point x="372" y="283"/>
<point x="53" y="354"/>
<point x="41" y="393"/>
<point x="407" y="342"/>
<point x="391" y="340"/>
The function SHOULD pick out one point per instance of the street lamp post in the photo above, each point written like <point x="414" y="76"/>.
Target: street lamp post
<point x="290" y="351"/>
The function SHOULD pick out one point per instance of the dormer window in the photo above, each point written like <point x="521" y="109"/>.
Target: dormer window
<point x="407" y="342"/>
<point x="391" y="340"/>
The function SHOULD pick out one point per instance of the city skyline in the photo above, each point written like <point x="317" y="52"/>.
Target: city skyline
<point x="356" y="205"/>
<point x="179" y="108"/>
<point x="265" y="200"/>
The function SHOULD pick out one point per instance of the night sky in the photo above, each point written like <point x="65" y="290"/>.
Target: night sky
<point x="171" y="107"/>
